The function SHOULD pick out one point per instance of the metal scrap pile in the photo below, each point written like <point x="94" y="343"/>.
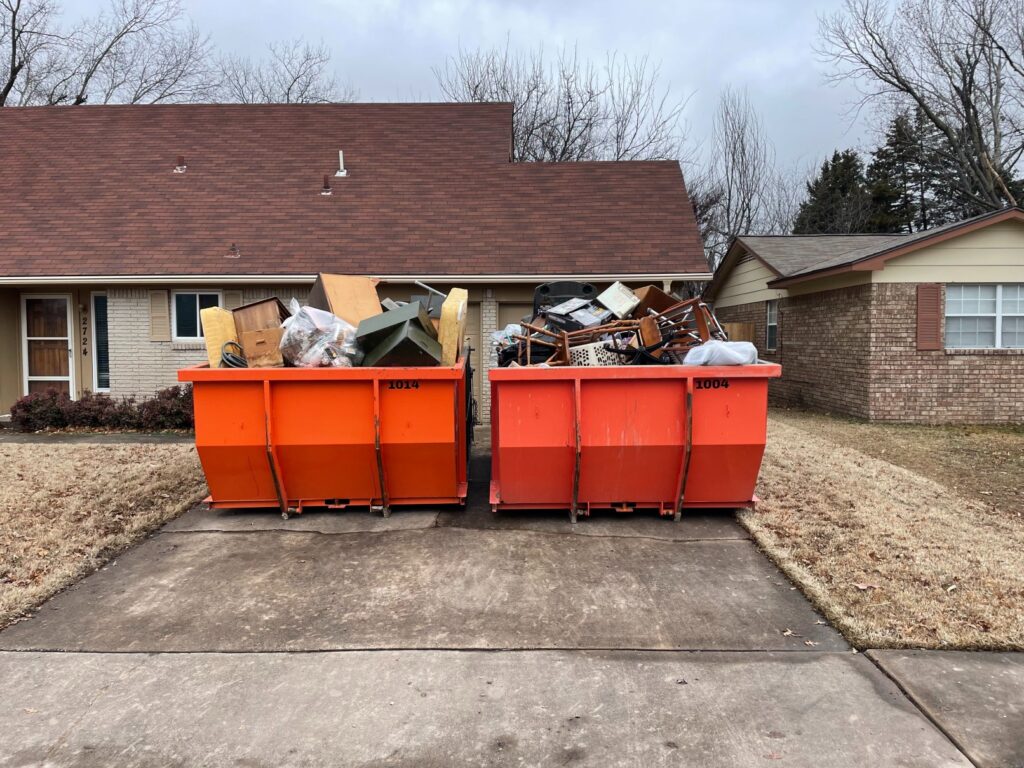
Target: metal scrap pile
<point x="573" y="325"/>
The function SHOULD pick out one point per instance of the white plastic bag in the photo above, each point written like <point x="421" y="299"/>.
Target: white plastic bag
<point x="715" y="352"/>
<point x="314" y="338"/>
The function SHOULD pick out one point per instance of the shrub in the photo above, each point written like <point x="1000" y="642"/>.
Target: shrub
<point x="170" y="408"/>
<point x="41" y="410"/>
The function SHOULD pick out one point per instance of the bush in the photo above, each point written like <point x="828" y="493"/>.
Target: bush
<point x="170" y="408"/>
<point x="41" y="410"/>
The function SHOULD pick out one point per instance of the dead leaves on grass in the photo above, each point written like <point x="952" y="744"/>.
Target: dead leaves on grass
<point x="65" y="509"/>
<point x="893" y="558"/>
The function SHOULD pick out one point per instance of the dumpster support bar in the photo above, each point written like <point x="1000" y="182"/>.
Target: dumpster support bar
<point x="684" y="471"/>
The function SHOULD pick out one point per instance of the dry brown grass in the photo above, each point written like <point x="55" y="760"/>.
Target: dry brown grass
<point x="893" y="558"/>
<point x="984" y="462"/>
<point x="67" y="509"/>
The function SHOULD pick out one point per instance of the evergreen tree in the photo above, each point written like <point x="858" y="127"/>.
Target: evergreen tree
<point x="895" y="179"/>
<point x="838" y="200"/>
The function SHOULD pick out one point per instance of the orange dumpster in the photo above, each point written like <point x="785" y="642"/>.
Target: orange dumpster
<point x="292" y="438"/>
<point x="628" y="437"/>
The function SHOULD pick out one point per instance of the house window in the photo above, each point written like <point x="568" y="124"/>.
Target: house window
<point x="185" y="308"/>
<point x="985" y="316"/>
<point x="100" y="344"/>
<point x="772" y="334"/>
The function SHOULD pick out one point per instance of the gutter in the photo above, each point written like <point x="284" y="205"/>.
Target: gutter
<point x="310" y="278"/>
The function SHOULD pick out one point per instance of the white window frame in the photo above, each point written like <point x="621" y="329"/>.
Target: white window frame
<point x="768" y="306"/>
<point x="999" y="315"/>
<point x="92" y="331"/>
<point x="70" y="378"/>
<point x="174" y="311"/>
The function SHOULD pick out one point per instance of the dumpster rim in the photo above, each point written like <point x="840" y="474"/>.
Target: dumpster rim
<point x="763" y="370"/>
<point x="202" y="372"/>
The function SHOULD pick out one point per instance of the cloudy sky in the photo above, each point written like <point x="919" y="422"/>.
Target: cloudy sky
<point x="386" y="49"/>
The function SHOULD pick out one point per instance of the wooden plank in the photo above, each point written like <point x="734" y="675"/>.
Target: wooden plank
<point x="740" y="331"/>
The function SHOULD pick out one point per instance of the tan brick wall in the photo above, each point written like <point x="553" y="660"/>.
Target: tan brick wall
<point x="944" y="386"/>
<point x="140" y="367"/>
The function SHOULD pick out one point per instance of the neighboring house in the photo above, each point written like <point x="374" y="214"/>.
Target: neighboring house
<point x="119" y="223"/>
<point x="927" y="327"/>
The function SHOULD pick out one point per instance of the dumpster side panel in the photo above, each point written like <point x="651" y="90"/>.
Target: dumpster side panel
<point x="535" y="455"/>
<point x="324" y="438"/>
<point x="729" y="433"/>
<point x="632" y="433"/>
<point x="231" y="442"/>
<point x="418" y="438"/>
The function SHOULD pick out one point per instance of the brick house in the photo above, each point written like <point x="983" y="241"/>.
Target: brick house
<point x="925" y="327"/>
<point x="120" y="222"/>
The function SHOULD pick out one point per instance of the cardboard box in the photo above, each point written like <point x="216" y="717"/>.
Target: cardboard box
<point x="262" y="348"/>
<point x="353" y="299"/>
<point x="268" y="313"/>
<point x="652" y="297"/>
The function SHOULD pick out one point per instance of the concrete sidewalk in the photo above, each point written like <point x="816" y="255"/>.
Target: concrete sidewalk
<point x="440" y="638"/>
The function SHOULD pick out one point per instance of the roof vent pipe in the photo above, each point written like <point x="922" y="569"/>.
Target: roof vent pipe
<point x="341" y="165"/>
<point x="327" y="185"/>
<point x="180" y="167"/>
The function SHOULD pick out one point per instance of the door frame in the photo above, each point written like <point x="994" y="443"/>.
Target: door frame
<point x="72" y="384"/>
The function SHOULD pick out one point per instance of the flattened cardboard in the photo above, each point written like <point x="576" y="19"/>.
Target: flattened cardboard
<point x="351" y="298"/>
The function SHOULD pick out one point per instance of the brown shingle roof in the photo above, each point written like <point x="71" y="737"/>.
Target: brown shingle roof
<point x="91" y="191"/>
<point x="793" y="254"/>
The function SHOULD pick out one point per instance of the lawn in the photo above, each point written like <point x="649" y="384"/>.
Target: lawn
<point x="904" y="536"/>
<point x="66" y="509"/>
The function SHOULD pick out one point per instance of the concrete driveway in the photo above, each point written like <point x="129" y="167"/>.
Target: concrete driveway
<point x="439" y="638"/>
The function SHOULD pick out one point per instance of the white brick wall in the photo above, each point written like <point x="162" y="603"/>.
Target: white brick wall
<point x="487" y="359"/>
<point x="139" y="366"/>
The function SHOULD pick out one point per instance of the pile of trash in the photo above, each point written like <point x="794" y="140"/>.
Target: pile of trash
<point x="572" y="324"/>
<point x="343" y="325"/>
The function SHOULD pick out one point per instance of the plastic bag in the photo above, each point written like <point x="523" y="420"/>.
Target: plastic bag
<point x="314" y="338"/>
<point x="503" y="338"/>
<point x="715" y="352"/>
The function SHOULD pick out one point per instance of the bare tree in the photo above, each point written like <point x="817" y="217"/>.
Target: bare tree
<point x="29" y="41"/>
<point x="136" y="51"/>
<point x="739" y="186"/>
<point x="295" y="72"/>
<point x="569" y="109"/>
<point x="959" y="62"/>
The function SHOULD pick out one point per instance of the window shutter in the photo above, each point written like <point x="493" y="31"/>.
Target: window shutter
<point x="159" y="316"/>
<point x="929" y="317"/>
<point x="232" y="299"/>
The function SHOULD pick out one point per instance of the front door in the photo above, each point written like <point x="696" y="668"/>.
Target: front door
<point x="47" y="344"/>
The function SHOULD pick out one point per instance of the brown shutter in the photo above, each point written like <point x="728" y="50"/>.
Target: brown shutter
<point x="929" y="316"/>
<point x="232" y="299"/>
<point x="159" y="316"/>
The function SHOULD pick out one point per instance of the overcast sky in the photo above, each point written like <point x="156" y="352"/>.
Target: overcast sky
<point x="386" y="48"/>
